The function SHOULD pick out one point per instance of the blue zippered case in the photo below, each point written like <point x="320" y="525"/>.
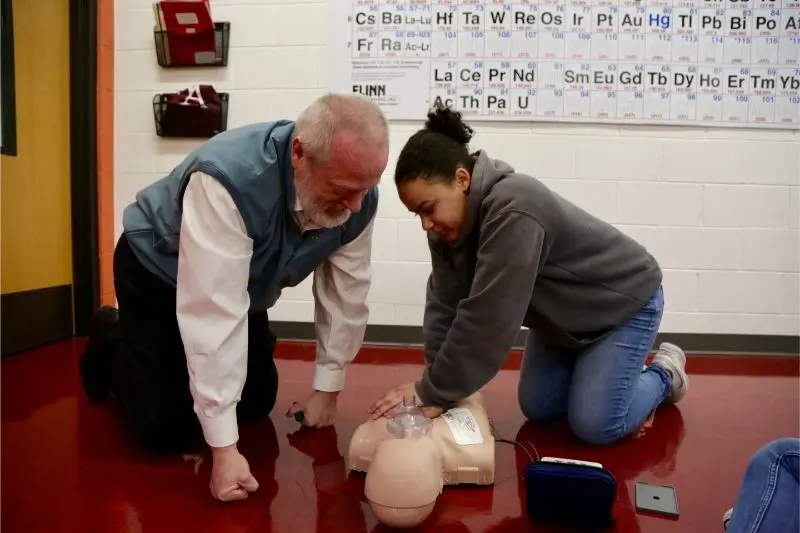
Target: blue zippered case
<point x="570" y="494"/>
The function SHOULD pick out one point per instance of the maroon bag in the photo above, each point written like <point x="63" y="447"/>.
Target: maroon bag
<point x="193" y="112"/>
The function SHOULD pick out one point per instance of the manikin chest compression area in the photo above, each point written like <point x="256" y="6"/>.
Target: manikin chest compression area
<point x="409" y="458"/>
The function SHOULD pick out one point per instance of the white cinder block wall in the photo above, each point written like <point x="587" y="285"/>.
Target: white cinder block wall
<point x="718" y="208"/>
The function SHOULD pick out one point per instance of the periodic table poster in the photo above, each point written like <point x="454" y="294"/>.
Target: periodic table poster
<point x="690" y="62"/>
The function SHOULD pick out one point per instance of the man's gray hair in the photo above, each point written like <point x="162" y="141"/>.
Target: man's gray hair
<point x="333" y="113"/>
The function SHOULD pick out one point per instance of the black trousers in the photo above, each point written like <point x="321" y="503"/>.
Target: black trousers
<point x="149" y="376"/>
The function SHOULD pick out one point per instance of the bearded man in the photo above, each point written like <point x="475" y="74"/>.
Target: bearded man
<point x="207" y="250"/>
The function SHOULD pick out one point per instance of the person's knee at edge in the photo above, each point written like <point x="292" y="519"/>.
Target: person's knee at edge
<point x="774" y="452"/>
<point x="780" y="457"/>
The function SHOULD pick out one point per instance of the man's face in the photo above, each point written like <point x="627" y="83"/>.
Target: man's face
<point x="331" y="191"/>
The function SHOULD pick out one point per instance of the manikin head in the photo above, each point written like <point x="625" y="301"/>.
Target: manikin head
<point x="339" y="152"/>
<point x="409" y="458"/>
<point x="434" y="171"/>
<point x="405" y="475"/>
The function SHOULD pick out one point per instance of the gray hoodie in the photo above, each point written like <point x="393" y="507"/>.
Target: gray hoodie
<point x="527" y="257"/>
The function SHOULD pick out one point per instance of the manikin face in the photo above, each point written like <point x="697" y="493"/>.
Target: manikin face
<point x="441" y="206"/>
<point x="331" y="191"/>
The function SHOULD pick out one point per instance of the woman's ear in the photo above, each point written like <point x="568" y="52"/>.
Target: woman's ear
<point x="463" y="179"/>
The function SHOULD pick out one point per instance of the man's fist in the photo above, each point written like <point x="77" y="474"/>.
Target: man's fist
<point x="230" y="475"/>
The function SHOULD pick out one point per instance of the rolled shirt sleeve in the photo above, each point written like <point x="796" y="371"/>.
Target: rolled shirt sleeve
<point x="213" y="305"/>
<point x="340" y="288"/>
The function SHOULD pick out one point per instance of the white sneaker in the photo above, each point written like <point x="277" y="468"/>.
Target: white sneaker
<point x="727" y="518"/>
<point x="673" y="360"/>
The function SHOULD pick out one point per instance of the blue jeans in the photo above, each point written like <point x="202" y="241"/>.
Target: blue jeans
<point x="601" y="388"/>
<point x="770" y="492"/>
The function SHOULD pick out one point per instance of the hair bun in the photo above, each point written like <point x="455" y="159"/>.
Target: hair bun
<point x="444" y="120"/>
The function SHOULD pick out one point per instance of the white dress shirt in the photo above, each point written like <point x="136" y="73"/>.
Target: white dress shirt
<point x="213" y="305"/>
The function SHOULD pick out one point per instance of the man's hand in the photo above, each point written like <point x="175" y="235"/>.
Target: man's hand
<point x="394" y="397"/>
<point x="319" y="409"/>
<point x="230" y="475"/>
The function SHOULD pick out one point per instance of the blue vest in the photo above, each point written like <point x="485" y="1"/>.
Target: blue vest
<point x="254" y="164"/>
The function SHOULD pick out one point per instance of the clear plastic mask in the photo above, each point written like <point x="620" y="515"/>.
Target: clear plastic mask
<point x="408" y="421"/>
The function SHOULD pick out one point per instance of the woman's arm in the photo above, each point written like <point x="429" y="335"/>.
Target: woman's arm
<point x="442" y="295"/>
<point x="511" y="247"/>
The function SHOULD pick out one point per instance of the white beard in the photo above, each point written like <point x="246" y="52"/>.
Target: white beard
<point x="321" y="218"/>
<point x="315" y="211"/>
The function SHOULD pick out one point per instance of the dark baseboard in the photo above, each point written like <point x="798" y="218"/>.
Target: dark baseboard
<point x="690" y="342"/>
<point x="30" y="319"/>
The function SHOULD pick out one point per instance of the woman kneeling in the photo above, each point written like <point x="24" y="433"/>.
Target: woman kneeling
<point x="507" y="252"/>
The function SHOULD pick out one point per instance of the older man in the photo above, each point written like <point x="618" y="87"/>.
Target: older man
<point x="206" y="250"/>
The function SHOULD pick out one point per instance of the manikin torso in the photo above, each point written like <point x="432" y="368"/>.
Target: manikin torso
<point x="409" y="458"/>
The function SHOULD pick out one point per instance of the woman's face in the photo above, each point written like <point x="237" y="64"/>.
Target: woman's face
<point x="441" y="206"/>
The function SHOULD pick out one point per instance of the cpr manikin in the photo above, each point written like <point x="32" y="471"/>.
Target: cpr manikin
<point x="409" y="458"/>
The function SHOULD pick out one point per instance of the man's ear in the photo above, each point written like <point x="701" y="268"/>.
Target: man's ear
<point x="297" y="150"/>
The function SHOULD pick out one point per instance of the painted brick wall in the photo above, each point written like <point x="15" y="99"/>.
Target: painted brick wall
<point x="718" y="208"/>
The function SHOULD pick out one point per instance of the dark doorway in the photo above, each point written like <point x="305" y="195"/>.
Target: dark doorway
<point x="35" y="315"/>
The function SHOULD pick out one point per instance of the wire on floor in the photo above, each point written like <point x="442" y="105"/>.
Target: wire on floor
<point x="521" y="444"/>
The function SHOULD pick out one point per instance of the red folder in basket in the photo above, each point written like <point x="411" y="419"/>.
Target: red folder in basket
<point x="189" y="37"/>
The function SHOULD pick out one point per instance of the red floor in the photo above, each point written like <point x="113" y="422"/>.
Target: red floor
<point x="67" y="465"/>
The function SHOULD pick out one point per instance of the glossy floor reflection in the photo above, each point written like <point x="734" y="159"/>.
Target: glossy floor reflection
<point x="68" y="466"/>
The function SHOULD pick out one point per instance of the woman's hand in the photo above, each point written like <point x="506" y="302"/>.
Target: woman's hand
<point x="432" y="411"/>
<point x="394" y="397"/>
<point x="391" y="399"/>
